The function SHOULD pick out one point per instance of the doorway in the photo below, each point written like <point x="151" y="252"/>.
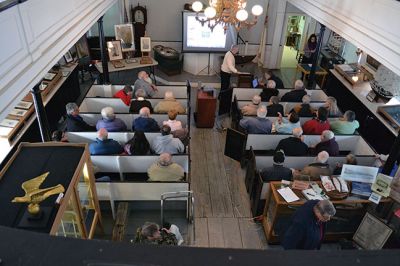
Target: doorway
<point x="293" y="41"/>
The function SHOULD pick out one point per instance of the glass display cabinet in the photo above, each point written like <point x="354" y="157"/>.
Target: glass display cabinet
<point x="73" y="213"/>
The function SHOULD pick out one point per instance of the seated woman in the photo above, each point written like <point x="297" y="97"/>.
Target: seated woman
<point x="286" y="126"/>
<point x="317" y="125"/>
<point x="275" y="107"/>
<point x="138" y="145"/>
<point x="304" y="109"/>
<point x="169" y="103"/>
<point x="172" y="122"/>
<point x="331" y="106"/>
<point x="125" y="94"/>
<point x="140" y="102"/>
<point x="150" y="233"/>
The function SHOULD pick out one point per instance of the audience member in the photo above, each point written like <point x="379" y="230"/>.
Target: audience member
<point x="140" y="102"/>
<point x="274" y="107"/>
<point x="110" y="122"/>
<point x="167" y="143"/>
<point x="277" y="171"/>
<point x="308" y="225"/>
<point x="59" y="136"/>
<point x="103" y="145"/>
<point x="172" y="122"/>
<point x="138" y="145"/>
<point x="296" y="94"/>
<point x="165" y="170"/>
<point x="304" y="109"/>
<point x="286" y="126"/>
<point x="317" y="125"/>
<point x="269" y="91"/>
<point x="345" y="125"/>
<point x="259" y="124"/>
<point x="75" y="122"/>
<point x="144" y="122"/>
<point x="269" y="75"/>
<point x="169" y="103"/>
<point x="294" y="145"/>
<point x="331" y="106"/>
<point x="328" y="144"/>
<point x="318" y="168"/>
<point x="151" y="234"/>
<point x="251" y="109"/>
<point x="350" y="159"/>
<point x="144" y="82"/>
<point x="125" y="94"/>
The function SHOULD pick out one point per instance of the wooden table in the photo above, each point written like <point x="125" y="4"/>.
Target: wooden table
<point x="350" y="210"/>
<point x="306" y="69"/>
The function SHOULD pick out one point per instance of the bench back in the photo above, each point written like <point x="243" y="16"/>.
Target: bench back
<point x="121" y="137"/>
<point x="287" y="106"/>
<point x="246" y="94"/>
<point x="180" y="92"/>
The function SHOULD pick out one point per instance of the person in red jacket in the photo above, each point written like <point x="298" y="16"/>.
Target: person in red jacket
<point x="317" y="125"/>
<point x="125" y="94"/>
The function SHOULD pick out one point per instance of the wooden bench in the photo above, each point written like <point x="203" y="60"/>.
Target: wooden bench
<point x="246" y="94"/>
<point x="121" y="222"/>
<point x="180" y="92"/>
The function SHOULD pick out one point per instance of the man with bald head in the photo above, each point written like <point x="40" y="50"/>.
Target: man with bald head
<point x="144" y="122"/>
<point x="103" y="145"/>
<point x="259" y="124"/>
<point x="169" y="103"/>
<point x="294" y="145"/>
<point x="319" y="167"/>
<point x="165" y="170"/>
<point x="296" y="94"/>
<point x="144" y="82"/>
<point x="251" y="108"/>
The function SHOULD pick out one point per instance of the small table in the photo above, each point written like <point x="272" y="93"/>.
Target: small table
<point x="128" y="66"/>
<point x="306" y="69"/>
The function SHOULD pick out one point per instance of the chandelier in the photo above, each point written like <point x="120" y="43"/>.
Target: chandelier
<point x="227" y="12"/>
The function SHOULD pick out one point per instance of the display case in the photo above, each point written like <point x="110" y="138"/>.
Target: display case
<point x="73" y="213"/>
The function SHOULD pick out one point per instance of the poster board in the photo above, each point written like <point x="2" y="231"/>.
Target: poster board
<point x="372" y="233"/>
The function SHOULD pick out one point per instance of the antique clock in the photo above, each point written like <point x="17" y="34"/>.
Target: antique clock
<point x="139" y="20"/>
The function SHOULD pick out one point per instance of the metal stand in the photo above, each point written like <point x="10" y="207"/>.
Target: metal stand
<point x="104" y="63"/>
<point x="312" y="82"/>
<point x="40" y="113"/>
<point x="208" y="67"/>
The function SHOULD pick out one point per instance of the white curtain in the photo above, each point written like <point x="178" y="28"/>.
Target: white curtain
<point x="259" y="59"/>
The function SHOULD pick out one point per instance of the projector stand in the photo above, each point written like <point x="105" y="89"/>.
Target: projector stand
<point x="208" y="67"/>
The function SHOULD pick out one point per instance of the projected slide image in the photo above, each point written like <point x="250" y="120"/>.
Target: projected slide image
<point x="201" y="36"/>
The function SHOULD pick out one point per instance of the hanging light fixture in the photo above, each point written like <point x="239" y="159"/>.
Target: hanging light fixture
<point x="227" y="12"/>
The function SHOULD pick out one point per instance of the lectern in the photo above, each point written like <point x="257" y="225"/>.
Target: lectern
<point x="206" y="106"/>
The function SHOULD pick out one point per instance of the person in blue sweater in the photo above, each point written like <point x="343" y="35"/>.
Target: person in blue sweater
<point x="103" y="145"/>
<point x="144" y="122"/>
<point x="308" y="225"/>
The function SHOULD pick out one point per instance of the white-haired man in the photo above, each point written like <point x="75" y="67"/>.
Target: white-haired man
<point x="294" y="145"/>
<point x="169" y="103"/>
<point x="269" y="91"/>
<point x="318" y="168"/>
<point x="251" y="109"/>
<point x="328" y="144"/>
<point x="296" y="94"/>
<point x="110" y="122"/>
<point x="144" y="82"/>
<point x="75" y="122"/>
<point x="259" y="124"/>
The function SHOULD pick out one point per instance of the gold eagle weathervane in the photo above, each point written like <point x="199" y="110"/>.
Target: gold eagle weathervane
<point x="34" y="196"/>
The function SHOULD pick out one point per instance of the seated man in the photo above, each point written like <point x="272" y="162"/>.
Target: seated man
<point x="75" y="122"/>
<point x="144" y="122"/>
<point x="167" y="143"/>
<point x="346" y="125"/>
<point x="269" y="75"/>
<point x="165" y="170"/>
<point x="269" y="91"/>
<point x="304" y="109"/>
<point x="139" y="102"/>
<point x="144" y="82"/>
<point x="169" y="103"/>
<point x="275" y="107"/>
<point x="308" y="225"/>
<point x="277" y="171"/>
<point x="293" y="146"/>
<point x="125" y="94"/>
<point x="110" y="122"/>
<point x="151" y="234"/>
<point x="318" y="168"/>
<point x="317" y="125"/>
<point x="286" y="126"/>
<point x="103" y="145"/>
<point x="328" y="144"/>
<point x="251" y="109"/>
<point x="296" y="94"/>
<point x="259" y="124"/>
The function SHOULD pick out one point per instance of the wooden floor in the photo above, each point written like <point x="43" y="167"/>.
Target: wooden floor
<point x="222" y="207"/>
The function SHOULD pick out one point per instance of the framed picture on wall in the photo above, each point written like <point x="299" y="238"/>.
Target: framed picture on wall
<point x="114" y="50"/>
<point x="124" y="33"/>
<point x="145" y="44"/>
<point x="68" y="57"/>
<point x="82" y="47"/>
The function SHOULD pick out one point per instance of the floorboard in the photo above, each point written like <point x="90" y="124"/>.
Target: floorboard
<point x="249" y="232"/>
<point x="201" y="233"/>
<point x="215" y="233"/>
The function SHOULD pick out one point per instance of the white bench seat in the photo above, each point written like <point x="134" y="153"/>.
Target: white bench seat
<point x="246" y="94"/>
<point x="287" y="106"/>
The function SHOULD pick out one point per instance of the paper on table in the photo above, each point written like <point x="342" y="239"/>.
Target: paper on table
<point x="288" y="194"/>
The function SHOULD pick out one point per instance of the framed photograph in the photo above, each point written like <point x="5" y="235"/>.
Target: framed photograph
<point x="49" y="76"/>
<point x="24" y="105"/>
<point x="82" y="47"/>
<point x="43" y="86"/>
<point x="114" y="50"/>
<point x="9" y="123"/>
<point x="68" y="57"/>
<point x="145" y="44"/>
<point x="18" y="112"/>
<point x="124" y="33"/>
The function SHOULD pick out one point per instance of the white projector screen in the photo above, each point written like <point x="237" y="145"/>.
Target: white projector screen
<point x="198" y="38"/>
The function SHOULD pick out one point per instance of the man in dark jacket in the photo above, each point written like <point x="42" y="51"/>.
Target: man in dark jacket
<point x="269" y="91"/>
<point x="328" y="144"/>
<point x="144" y="122"/>
<point x="75" y="122"/>
<point x="294" y="145"/>
<point x="103" y="145"/>
<point x="277" y="171"/>
<point x="274" y="108"/>
<point x="308" y="225"/>
<point x="296" y="94"/>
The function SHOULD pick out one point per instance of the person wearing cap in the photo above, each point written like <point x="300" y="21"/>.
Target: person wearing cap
<point x="259" y="124"/>
<point x="294" y="145"/>
<point x="277" y="171"/>
<point x="308" y="225"/>
<point x="318" y="168"/>
<point x="251" y="109"/>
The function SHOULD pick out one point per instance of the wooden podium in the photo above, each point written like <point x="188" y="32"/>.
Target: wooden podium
<point x="206" y="107"/>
